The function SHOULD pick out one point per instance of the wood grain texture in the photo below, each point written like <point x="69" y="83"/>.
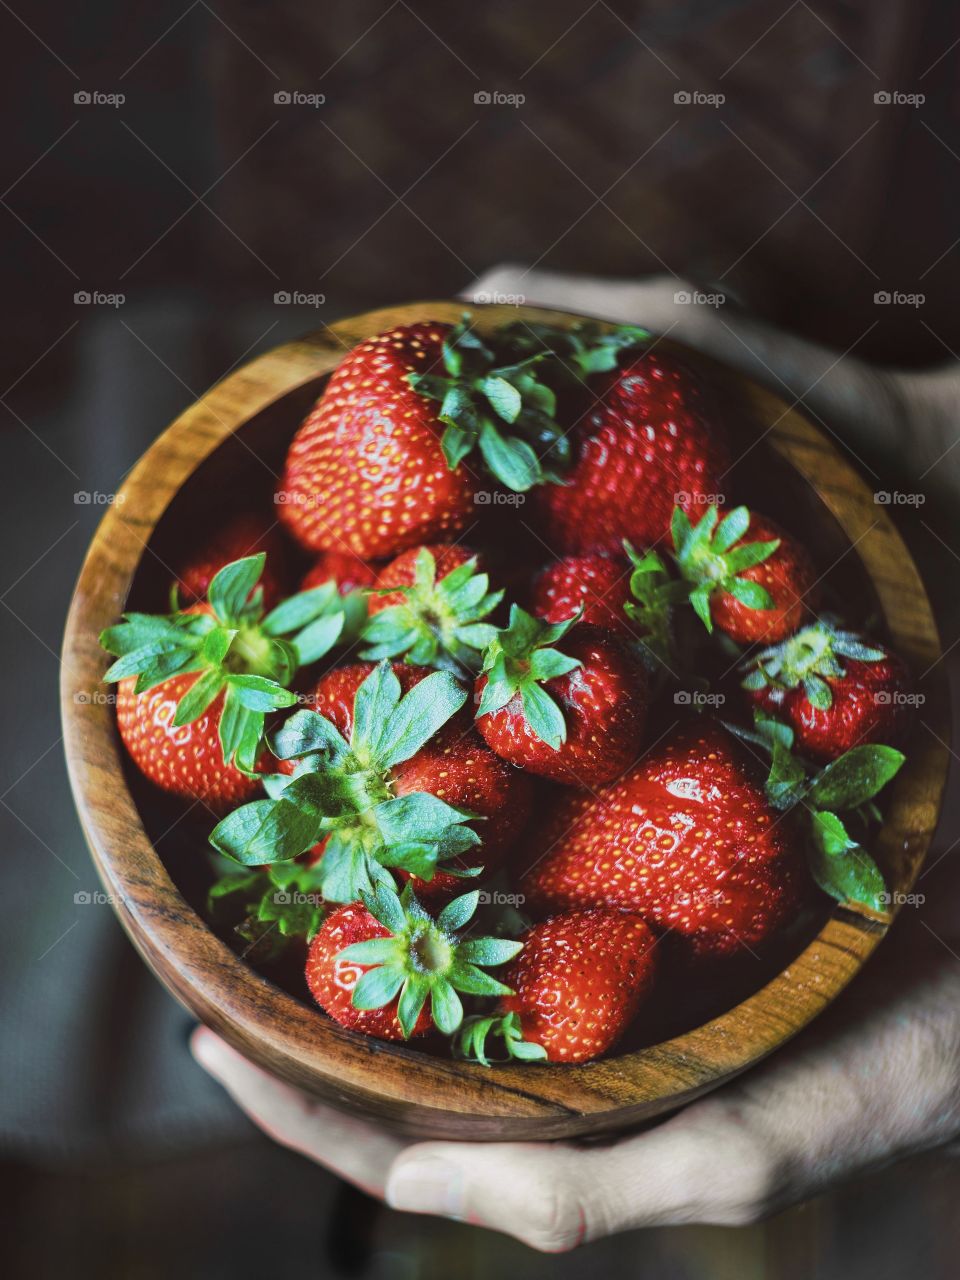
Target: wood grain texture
<point x="412" y="1092"/>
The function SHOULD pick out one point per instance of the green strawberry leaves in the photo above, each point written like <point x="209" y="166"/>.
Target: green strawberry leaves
<point x="499" y="396"/>
<point x="811" y="658"/>
<point x="236" y="651"/>
<point x="838" y="863"/>
<point x="340" y="793"/>
<point x="276" y="904"/>
<point x="471" y="1043"/>
<point x="709" y="561"/>
<point x="439" y="624"/>
<point x="425" y="959"/>
<point x="518" y="659"/>
<point x="655" y="594"/>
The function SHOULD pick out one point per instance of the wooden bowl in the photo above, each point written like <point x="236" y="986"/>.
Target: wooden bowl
<point x="233" y="441"/>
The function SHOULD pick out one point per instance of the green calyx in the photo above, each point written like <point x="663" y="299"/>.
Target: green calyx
<point x="341" y="793"/>
<point x="439" y="624"/>
<point x="471" y="1042"/>
<point x="518" y="660"/>
<point x="708" y="560"/>
<point x="276" y="904"/>
<point x="234" y="649"/>
<point x="655" y="595"/>
<point x="809" y="658"/>
<point x="425" y="958"/>
<point x="499" y="397"/>
<point x="838" y="862"/>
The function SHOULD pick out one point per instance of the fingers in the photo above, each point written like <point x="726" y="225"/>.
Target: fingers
<point x="358" y="1152"/>
<point x="556" y="1196"/>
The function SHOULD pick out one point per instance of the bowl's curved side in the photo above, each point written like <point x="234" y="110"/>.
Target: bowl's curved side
<point x="398" y="1086"/>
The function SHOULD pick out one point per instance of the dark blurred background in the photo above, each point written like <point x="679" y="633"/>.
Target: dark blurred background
<point x="216" y="185"/>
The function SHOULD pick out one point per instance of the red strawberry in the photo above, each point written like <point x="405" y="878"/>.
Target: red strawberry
<point x="686" y="839"/>
<point x="750" y="579"/>
<point x="832" y="689"/>
<point x="435" y="618"/>
<point x="402" y="571"/>
<point x="383" y="778"/>
<point x="244" y="535"/>
<point x="333" y="980"/>
<point x="348" y="571"/>
<point x="366" y="470"/>
<point x="578" y="983"/>
<point x="207" y="676"/>
<point x="390" y="970"/>
<point x="599" y="585"/>
<point x="578" y="716"/>
<point x="187" y="759"/>
<point x="651" y="440"/>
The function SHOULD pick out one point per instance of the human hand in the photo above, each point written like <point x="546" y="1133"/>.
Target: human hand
<point x="877" y="1077"/>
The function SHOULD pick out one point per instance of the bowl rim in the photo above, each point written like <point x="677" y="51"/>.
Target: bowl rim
<point x="371" y="1076"/>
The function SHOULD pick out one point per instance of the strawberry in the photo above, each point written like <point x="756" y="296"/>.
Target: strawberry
<point x="686" y="839"/>
<point x="649" y="441"/>
<point x="244" y="535"/>
<point x="633" y="597"/>
<point x="184" y="759"/>
<point x="578" y="983"/>
<point x="593" y="587"/>
<point x="577" y="717"/>
<point x="209" y="674"/>
<point x="390" y="970"/>
<point x="377" y="466"/>
<point x="435" y="617"/>
<point x="366" y="784"/>
<point x="761" y="589"/>
<point x="832" y="689"/>
<point x="348" y="571"/>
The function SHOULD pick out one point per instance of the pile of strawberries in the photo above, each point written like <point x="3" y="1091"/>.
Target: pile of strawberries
<point x="493" y="684"/>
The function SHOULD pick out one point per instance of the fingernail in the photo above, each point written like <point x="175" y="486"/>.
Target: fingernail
<point x="427" y="1186"/>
